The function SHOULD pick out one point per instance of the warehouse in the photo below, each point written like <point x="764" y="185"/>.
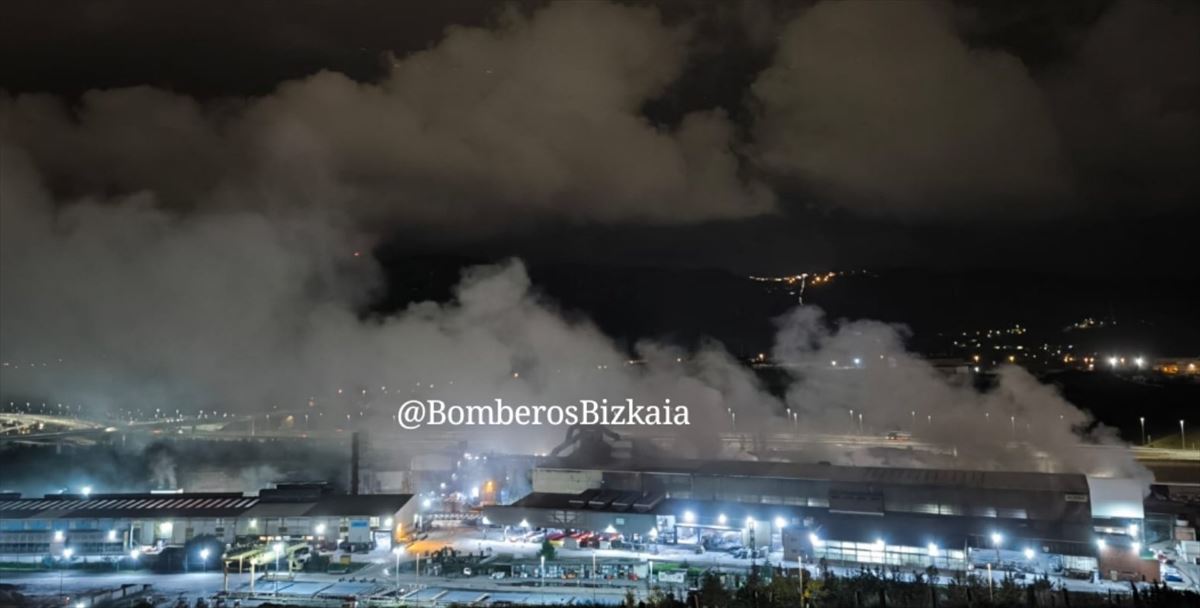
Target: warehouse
<point x="869" y="515"/>
<point x="115" y="524"/>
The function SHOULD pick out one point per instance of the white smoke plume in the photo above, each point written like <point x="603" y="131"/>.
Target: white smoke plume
<point x="140" y="307"/>
<point x="537" y="118"/>
<point x="156" y="252"/>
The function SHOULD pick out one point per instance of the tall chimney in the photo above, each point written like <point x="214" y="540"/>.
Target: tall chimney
<point x="354" y="456"/>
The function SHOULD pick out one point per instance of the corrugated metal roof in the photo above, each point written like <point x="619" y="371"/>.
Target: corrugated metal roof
<point x="197" y="505"/>
<point x="996" y="480"/>
<point x="127" y="505"/>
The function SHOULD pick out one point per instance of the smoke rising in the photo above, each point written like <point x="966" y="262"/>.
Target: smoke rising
<point x="151" y="308"/>
<point x="163" y="253"/>
<point x="538" y="118"/>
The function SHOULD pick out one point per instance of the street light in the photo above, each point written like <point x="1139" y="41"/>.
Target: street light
<point x="397" y="551"/>
<point x="278" y="551"/>
<point x="66" y="553"/>
<point x="1182" y="436"/>
<point x="204" y="559"/>
<point x="1142" y="419"/>
<point x="1028" y="553"/>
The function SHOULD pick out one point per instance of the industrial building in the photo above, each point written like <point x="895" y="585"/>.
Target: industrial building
<point x="950" y="519"/>
<point x="115" y="524"/>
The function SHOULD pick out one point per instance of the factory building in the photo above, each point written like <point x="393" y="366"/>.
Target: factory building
<point x="953" y="520"/>
<point x="114" y="524"/>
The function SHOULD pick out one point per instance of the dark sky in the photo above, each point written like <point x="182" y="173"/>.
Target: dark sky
<point x="756" y="136"/>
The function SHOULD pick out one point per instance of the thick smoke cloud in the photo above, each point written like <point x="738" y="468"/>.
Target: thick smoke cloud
<point x="882" y="107"/>
<point x="161" y="253"/>
<point x="1130" y="103"/>
<point x="852" y="369"/>
<point x="140" y="307"/>
<point x="537" y="118"/>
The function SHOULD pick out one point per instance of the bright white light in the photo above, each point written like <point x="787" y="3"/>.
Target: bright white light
<point x="58" y="536"/>
<point x="857" y="361"/>
<point x="1137" y="548"/>
<point x="475" y="492"/>
<point x="254" y="523"/>
<point x="1139" y="362"/>
<point x="1133" y="529"/>
<point x="112" y="535"/>
<point x="68" y="552"/>
<point x="278" y="548"/>
<point x="80" y="604"/>
<point x="997" y="538"/>
<point x="166" y="527"/>
<point x="1112" y="361"/>
<point x="389" y="522"/>
<point x="814" y="539"/>
<point x="879" y="543"/>
<point x="721" y="519"/>
<point x="425" y="504"/>
<point x="653" y="532"/>
<point x="750" y="522"/>
<point x="320" y="528"/>
<point x="610" y="529"/>
<point x="780" y="522"/>
<point x="87" y="490"/>
<point x="135" y="554"/>
<point x="933" y="549"/>
<point x="524" y="523"/>
<point x="1028" y="553"/>
<point x="203" y="554"/>
<point x="1100" y="543"/>
<point x="689" y="517"/>
<point x="398" y="551"/>
<point x="486" y="521"/>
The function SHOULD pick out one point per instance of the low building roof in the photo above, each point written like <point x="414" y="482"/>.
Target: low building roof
<point x="988" y="480"/>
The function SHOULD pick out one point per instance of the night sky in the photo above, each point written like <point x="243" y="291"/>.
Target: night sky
<point x="755" y="136"/>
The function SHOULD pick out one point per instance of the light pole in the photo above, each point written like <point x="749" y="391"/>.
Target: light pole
<point x="1182" y="436"/>
<point x="542" y="571"/>
<point x="1142" y="420"/>
<point x="278" y="551"/>
<point x="204" y="559"/>
<point x="397" y="551"/>
<point x="66" y="553"/>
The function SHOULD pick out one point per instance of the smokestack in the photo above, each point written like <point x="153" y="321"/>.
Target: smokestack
<point x="354" y="455"/>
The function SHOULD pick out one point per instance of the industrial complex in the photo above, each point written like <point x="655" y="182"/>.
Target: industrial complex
<point x="953" y="520"/>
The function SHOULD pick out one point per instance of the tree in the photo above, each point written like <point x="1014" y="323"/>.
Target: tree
<point x="548" y="551"/>
<point x="712" y="593"/>
<point x="630" y="599"/>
